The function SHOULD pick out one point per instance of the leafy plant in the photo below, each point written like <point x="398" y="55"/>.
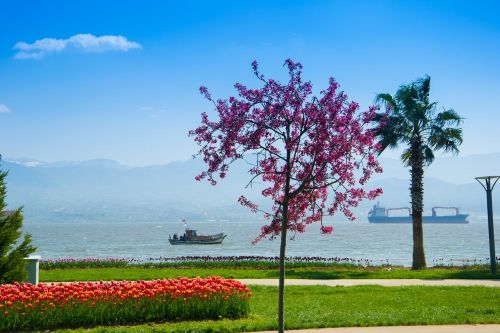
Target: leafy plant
<point x="12" y="264"/>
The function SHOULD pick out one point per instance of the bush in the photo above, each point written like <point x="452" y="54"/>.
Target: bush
<point x="12" y="264"/>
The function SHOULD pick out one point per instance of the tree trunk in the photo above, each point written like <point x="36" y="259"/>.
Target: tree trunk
<point x="281" y="288"/>
<point x="284" y="225"/>
<point x="417" y="204"/>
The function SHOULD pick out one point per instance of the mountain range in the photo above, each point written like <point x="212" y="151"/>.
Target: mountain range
<point x="103" y="189"/>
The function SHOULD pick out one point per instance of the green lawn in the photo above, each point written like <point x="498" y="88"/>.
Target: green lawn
<point x="338" y="272"/>
<point x="316" y="306"/>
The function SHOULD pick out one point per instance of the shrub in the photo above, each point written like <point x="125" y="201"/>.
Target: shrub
<point x="12" y="265"/>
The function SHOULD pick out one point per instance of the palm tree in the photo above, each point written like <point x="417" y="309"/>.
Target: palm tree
<point x="411" y="121"/>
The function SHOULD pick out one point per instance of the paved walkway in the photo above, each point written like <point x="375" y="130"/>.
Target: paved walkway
<point x="381" y="282"/>
<point x="406" y="329"/>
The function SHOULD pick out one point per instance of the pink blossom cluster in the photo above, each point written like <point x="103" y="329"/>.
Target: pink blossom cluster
<point x="304" y="147"/>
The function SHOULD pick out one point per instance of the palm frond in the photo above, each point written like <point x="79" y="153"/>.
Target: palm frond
<point x="391" y="128"/>
<point x="424" y="88"/>
<point x="447" y="139"/>
<point x="386" y="99"/>
<point x="428" y="155"/>
<point x="405" y="157"/>
<point x="407" y="97"/>
<point x="448" y="117"/>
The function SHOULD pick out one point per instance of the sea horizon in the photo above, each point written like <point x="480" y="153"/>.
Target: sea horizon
<point x="377" y="243"/>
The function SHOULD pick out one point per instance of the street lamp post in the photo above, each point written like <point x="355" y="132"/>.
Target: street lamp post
<point x="489" y="203"/>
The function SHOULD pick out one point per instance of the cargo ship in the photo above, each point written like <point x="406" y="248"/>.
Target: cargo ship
<point x="382" y="215"/>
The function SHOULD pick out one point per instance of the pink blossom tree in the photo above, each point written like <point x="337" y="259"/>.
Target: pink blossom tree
<point x="302" y="146"/>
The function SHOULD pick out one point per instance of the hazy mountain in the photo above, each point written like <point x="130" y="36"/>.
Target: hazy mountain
<point x="102" y="188"/>
<point x="105" y="190"/>
<point x="451" y="169"/>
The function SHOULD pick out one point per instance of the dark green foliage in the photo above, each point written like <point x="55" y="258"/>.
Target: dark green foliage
<point x="412" y="121"/>
<point x="12" y="265"/>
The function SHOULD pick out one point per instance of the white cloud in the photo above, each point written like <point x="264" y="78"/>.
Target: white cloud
<point x="81" y="42"/>
<point x="4" y="108"/>
<point x="153" y="112"/>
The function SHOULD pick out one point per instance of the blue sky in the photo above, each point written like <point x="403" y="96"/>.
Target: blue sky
<point x="133" y="100"/>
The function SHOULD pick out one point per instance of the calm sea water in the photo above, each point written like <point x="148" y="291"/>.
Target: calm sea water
<point x="360" y="240"/>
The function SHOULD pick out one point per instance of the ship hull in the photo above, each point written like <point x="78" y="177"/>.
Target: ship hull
<point x="454" y="219"/>
<point x="214" y="240"/>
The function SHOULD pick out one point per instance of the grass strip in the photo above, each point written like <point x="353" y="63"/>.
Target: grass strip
<point x="319" y="306"/>
<point x="150" y="273"/>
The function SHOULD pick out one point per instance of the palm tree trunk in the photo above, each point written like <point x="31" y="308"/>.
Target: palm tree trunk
<point x="417" y="204"/>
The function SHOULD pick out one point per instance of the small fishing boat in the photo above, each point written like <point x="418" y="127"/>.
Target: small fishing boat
<point x="191" y="237"/>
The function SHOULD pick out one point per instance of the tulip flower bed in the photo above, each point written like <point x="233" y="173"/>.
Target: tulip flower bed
<point x="46" y="306"/>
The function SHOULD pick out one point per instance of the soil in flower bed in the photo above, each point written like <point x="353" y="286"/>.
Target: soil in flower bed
<point x="44" y="306"/>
